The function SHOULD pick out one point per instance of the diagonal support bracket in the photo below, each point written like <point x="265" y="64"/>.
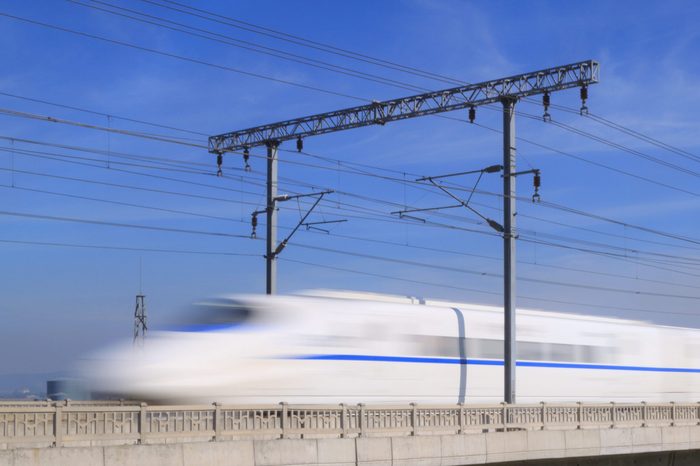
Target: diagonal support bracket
<point x="462" y="203"/>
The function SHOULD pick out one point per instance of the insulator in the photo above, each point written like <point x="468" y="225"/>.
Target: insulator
<point x="254" y="223"/>
<point x="584" y="97"/>
<point x="246" y="157"/>
<point x="219" y="162"/>
<point x="545" y="101"/>
<point x="472" y="114"/>
<point x="300" y="144"/>
<point x="536" y="181"/>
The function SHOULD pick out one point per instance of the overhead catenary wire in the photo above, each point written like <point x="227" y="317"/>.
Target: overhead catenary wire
<point x="404" y="262"/>
<point x="242" y="44"/>
<point x="126" y="248"/>
<point x="119" y="224"/>
<point x="159" y="191"/>
<point x="636" y="251"/>
<point x="493" y="293"/>
<point x="176" y="56"/>
<point x="416" y="88"/>
<point x="298" y="40"/>
<point x="338" y="251"/>
<point x="381" y="213"/>
<point x="168" y="54"/>
<point x="103" y="114"/>
<point x="484" y="274"/>
<point x="179" y="57"/>
<point x="328" y="267"/>
<point x="141" y="135"/>
<point x="43" y="24"/>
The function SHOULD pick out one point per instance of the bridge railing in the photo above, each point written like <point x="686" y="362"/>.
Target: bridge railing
<point x="100" y="423"/>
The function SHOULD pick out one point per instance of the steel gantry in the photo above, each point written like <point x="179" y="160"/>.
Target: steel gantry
<point x="507" y="91"/>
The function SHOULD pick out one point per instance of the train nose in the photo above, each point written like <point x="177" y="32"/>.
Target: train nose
<point x="163" y="368"/>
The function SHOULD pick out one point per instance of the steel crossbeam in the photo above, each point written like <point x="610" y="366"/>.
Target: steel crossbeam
<point x="472" y="95"/>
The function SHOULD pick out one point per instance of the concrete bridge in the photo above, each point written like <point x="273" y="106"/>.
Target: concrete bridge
<point x="117" y="434"/>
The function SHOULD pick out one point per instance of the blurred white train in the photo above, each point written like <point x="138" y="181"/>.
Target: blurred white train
<point x="341" y="347"/>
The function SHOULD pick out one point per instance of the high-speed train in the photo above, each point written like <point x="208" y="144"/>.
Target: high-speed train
<point x="342" y="347"/>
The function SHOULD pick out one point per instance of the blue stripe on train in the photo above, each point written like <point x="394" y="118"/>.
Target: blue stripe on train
<point x="488" y="362"/>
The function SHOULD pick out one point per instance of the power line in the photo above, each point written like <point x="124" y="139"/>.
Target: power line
<point x="257" y="29"/>
<point x="125" y="204"/>
<point x="444" y="285"/>
<point x="179" y="57"/>
<point x="246" y="45"/>
<point x="487" y="274"/>
<point x="108" y="115"/>
<point x="164" y="53"/>
<point x="126" y="248"/>
<point x="405" y="262"/>
<point x="342" y="269"/>
<point x="142" y="206"/>
<point x="121" y="225"/>
<point x="350" y="194"/>
<point x="299" y="40"/>
<point x="332" y="234"/>
<point x="607" y="142"/>
<point x="593" y="162"/>
<point x="124" y="132"/>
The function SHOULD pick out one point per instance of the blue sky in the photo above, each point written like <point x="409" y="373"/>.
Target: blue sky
<point x="59" y="302"/>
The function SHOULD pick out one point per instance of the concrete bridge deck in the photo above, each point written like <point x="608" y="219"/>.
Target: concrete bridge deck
<point x="115" y="435"/>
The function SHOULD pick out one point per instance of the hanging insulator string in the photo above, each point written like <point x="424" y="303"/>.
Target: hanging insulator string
<point x="546" y="102"/>
<point x="246" y="157"/>
<point x="536" y="182"/>
<point x="219" y="162"/>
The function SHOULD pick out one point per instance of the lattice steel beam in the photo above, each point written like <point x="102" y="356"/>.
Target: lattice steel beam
<point x="522" y="85"/>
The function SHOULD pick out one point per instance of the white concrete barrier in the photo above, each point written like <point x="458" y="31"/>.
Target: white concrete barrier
<point x="418" y="450"/>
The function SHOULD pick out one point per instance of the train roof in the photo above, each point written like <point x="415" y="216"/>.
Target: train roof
<point x="400" y="299"/>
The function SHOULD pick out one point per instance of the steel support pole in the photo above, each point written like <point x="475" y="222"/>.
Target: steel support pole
<point x="509" y="213"/>
<point x="271" y="210"/>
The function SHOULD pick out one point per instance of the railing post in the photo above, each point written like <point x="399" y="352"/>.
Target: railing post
<point x="644" y="414"/>
<point x="142" y="423"/>
<point x="697" y="413"/>
<point x="343" y="420"/>
<point x="544" y="415"/>
<point x="218" y="424"/>
<point x="580" y="415"/>
<point x="284" y="420"/>
<point x="505" y="415"/>
<point x="613" y="417"/>
<point x="361" y="420"/>
<point x="414" y="418"/>
<point x="673" y="413"/>
<point x="460" y="421"/>
<point x="58" y="423"/>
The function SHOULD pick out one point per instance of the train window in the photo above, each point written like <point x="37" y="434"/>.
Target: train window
<point x="483" y="348"/>
<point x="529" y="351"/>
<point x="433" y="345"/>
<point x="216" y="313"/>
<point x="561" y="352"/>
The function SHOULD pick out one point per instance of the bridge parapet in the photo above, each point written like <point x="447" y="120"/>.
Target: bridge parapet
<point x="68" y="423"/>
